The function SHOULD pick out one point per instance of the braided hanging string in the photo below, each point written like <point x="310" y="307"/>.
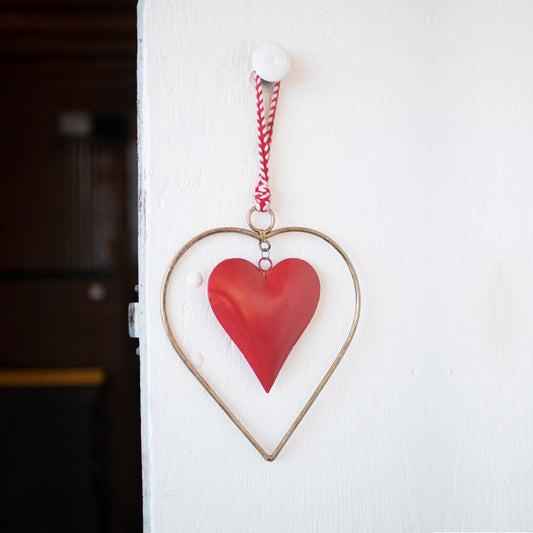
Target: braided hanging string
<point x="264" y="140"/>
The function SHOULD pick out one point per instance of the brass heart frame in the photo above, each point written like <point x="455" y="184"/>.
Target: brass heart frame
<point x="259" y="235"/>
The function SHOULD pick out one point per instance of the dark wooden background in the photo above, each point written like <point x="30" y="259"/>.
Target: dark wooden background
<point x="68" y="263"/>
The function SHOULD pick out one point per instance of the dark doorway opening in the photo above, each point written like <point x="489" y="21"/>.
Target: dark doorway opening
<point x="69" y="393"/>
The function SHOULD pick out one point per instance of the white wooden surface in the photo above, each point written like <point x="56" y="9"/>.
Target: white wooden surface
<point x="405" y="131"/>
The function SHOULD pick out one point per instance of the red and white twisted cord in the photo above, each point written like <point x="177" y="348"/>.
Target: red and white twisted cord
<point x="264" y="139"/>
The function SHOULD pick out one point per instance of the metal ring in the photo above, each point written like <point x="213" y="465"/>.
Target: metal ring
<point x="269" y="263"/>
<point x="253" y="227"/>
<point x="264" y="246"/>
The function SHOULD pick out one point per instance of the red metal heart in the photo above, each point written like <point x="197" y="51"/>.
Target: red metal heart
<point x="264" y="313"/>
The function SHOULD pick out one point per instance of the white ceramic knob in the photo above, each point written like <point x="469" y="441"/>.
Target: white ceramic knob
<point x="271" y="62"/>
<point x="194" y="279"/>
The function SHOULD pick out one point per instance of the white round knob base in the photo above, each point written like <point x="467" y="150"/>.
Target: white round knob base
<point x="194" y="279"/>
<point x="271" y="62"/>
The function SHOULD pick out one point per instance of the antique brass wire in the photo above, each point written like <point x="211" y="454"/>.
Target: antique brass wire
<point x="260" y="235"/>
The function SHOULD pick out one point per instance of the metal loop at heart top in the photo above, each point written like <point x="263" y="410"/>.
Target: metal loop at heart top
<point x="265" y="308"/>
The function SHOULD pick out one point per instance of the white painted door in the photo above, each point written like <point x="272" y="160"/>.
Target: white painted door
<point x="405" y="132"/>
